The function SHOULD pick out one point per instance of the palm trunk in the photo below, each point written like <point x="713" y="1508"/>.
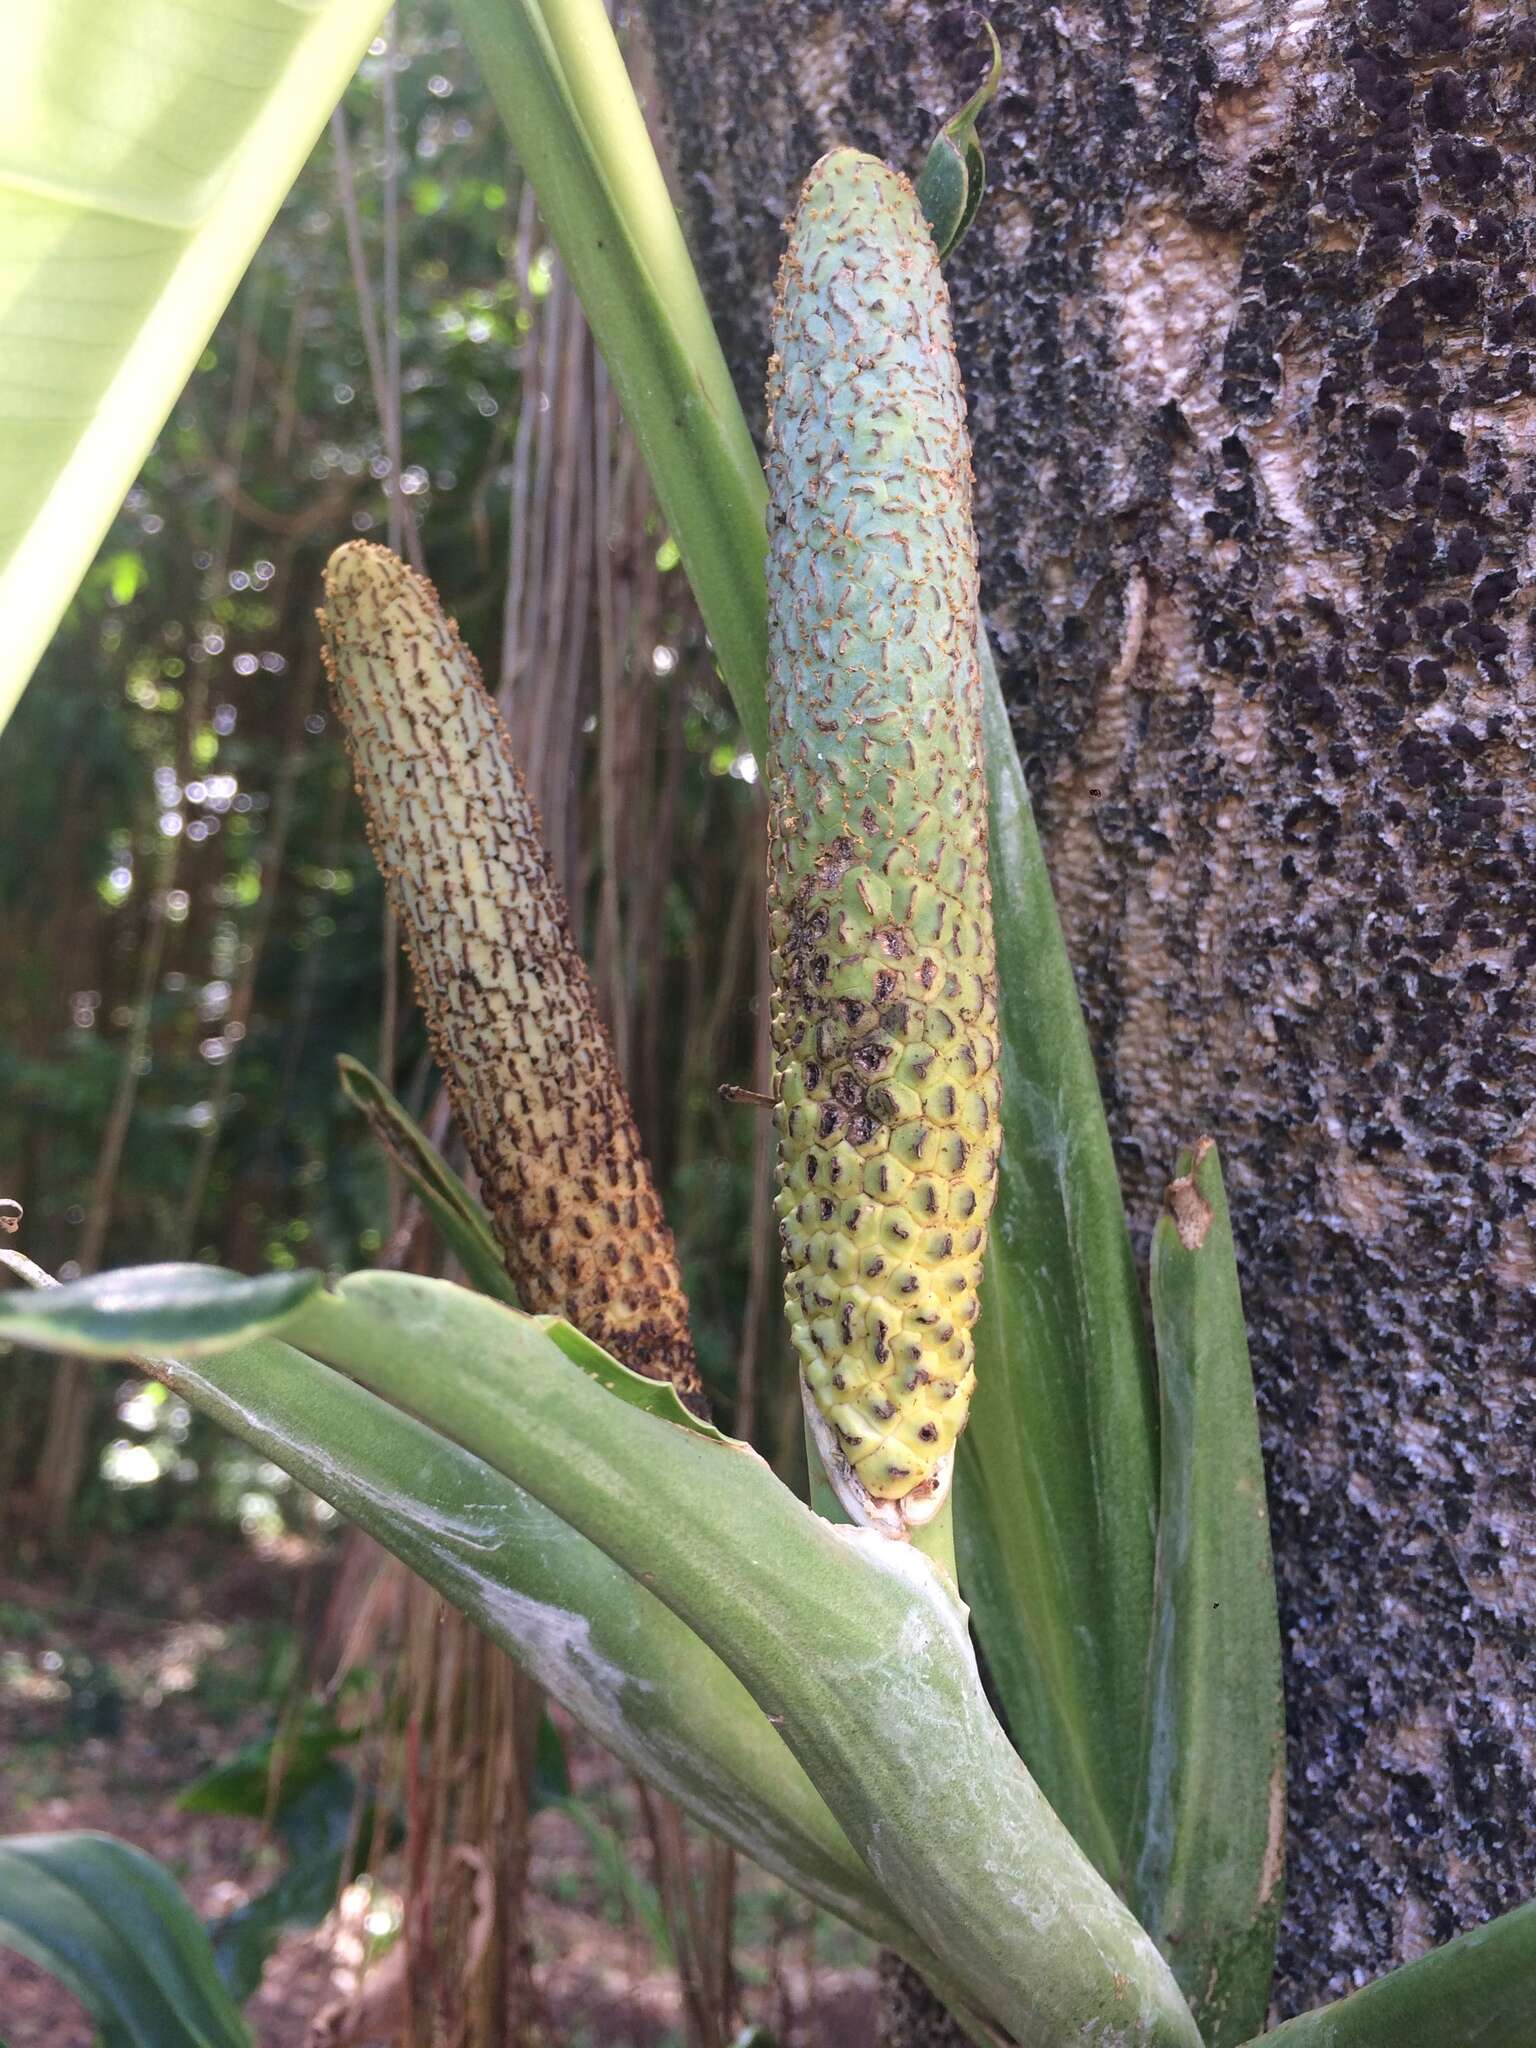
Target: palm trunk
<point x="1247" y="325"/>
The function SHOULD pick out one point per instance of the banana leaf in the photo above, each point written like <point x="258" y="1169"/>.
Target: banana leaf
<point x="146" y="147"/>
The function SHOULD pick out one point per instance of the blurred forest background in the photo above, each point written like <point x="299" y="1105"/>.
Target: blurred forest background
<point x="192" y="931"/>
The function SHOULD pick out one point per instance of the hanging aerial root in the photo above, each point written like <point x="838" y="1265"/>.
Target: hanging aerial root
<point x="885" y="1026"/>
<point x="506" y="995"/>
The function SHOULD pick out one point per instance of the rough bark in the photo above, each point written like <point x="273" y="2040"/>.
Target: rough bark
<point x="1247" y="322"/>
<point x="909" y="2015"/>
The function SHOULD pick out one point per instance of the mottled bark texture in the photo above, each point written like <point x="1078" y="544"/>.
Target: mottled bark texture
<point x="1247" y="322"/>
<point x="909" y="2015"/>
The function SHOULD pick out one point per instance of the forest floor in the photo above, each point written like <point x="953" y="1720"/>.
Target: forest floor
<point x="159" y="1654"/>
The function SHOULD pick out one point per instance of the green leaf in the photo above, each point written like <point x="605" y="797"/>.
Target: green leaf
<point x="459" y="1219"/>
<point x="559" y="84"/>
<point x="273" y="1771"/>
<point x="185" y="1308"/>
<point x="317" y="1831"/>
<point x="848" y="1641"/>
<point x="107" y="1921"/>
<point x="597" y="1642"/>
<point x="655" y="1397"/>
<point x="1479" y="1991"/>
<point x="1206" y="1881"/>
<point x="146" y="149"/>
<point x="954" y="177"/>
<point x="1056" y="1501"/>
<point x="944" y="190"/>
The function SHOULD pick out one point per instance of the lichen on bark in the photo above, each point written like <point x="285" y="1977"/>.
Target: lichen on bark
<point x="1247" y="326"/>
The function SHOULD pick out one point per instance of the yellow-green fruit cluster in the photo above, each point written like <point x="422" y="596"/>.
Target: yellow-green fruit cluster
<point x="885" y="1000"/>
<point x="506" y="996"/>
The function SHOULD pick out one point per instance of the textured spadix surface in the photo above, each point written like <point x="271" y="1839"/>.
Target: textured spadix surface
<point x="885" y="1007"/>
<point x="505" y="993"/>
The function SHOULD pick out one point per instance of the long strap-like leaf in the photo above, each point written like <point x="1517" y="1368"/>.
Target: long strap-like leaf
<point x="460" y="1221"/>
<point x="1057" y="1501"/>
<point x="110" y="1923"/>
<point x="604" y="200"/>
<point x="1206" y="1882"/>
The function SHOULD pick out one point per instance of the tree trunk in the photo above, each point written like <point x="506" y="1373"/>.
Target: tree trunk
<point x="1247" y="325"/>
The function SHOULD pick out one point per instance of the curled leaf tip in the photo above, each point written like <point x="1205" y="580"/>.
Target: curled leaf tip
<point x="953" y="178"/>
<point x="964" y="122"/>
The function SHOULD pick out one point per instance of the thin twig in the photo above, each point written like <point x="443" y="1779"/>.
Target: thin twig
<point x="269" y="872"/>
<point x="389" y="395"/>
<point x="611" y="991"/>
<point x="367" y="318"/>
<point x="522" y="451"/>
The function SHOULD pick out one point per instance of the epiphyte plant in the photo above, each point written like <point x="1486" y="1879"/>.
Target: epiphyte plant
<point x="810" y="1691"/>
<point x="934" y="1834"/>
<point x="884" y="975"/>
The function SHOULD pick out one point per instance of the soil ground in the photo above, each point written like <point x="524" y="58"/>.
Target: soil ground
<point x="159" y="1654"/>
